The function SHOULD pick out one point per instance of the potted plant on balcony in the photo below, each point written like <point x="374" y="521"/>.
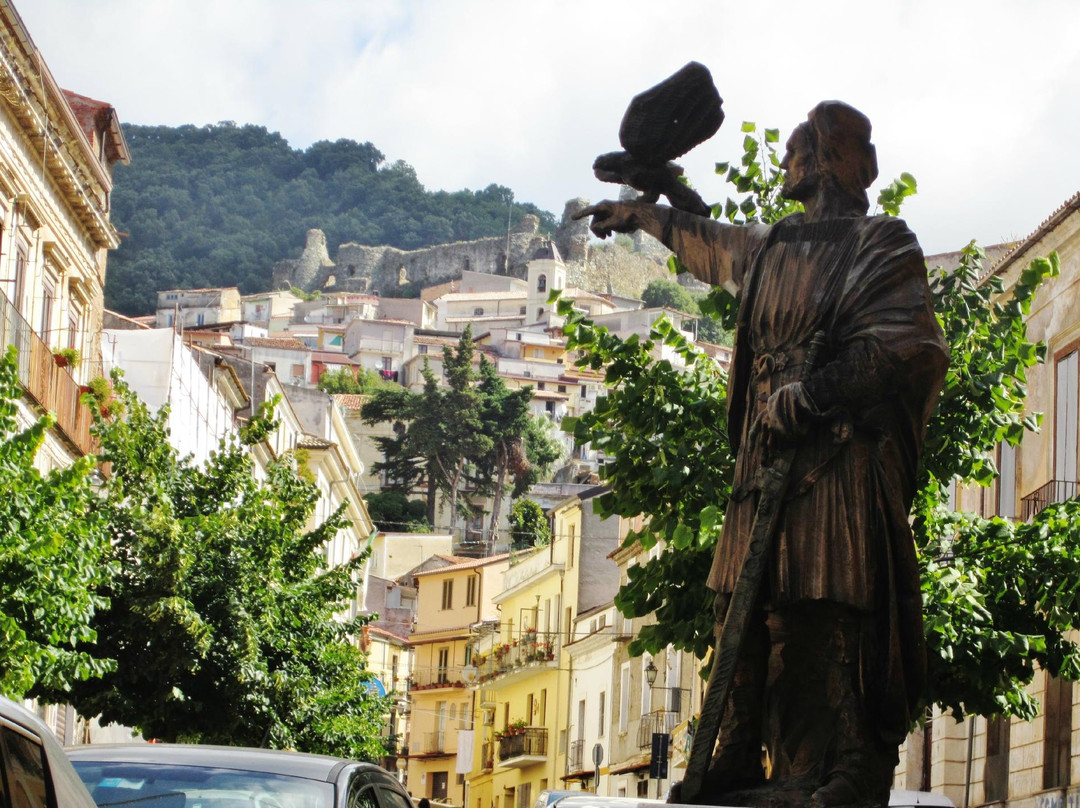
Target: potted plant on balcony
<point x="66" y="358"/>
<point x="100" y="394"/>
<point x="517" y="727"/>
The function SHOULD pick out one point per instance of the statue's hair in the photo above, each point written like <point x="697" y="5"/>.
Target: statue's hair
<point x="840" y="135"/>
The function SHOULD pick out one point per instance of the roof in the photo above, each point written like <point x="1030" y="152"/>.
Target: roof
<point x="350" y="401"/>
<point x="95" y="115"/>
<point x="459" y="563"/>
<point x="281" y="343"/>
<point x="272" y="761"/>
<point x="466" y="297"/>
<point x="313" y="442"/>
<point x="1049" y="223"/>
<point x="374" y="629"/>
<point x="547" y="251"/>
<point x="333" y="358"/>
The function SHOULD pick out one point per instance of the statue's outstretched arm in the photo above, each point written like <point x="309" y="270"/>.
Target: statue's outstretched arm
<point x="711" y="250"/>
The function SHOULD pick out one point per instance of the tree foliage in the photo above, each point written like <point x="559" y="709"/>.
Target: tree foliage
<point x="219" y="205"/>
<point x="221" y="617"/>
<point x="359" y="382"/>
<point x="474" y="430"/>
<point x="392" y="510"/>
<point x="53" y="557"/>
<point x="999" y="597"/>
<point x="528" y="525"/>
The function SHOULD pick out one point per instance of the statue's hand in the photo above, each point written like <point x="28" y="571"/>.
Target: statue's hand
<point x="789" y="412"/>
<point x="610" y="217"/>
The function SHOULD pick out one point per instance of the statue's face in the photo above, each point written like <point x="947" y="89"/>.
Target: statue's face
<point x="799" y="166"/>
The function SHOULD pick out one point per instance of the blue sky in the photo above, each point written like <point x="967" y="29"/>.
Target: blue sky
<point x="979" y="100"/>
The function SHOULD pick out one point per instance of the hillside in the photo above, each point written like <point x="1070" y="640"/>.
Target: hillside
<point x="219" y="205"/>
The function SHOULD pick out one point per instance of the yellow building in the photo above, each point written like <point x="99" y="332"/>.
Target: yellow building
<point x="520" y="664"/>
<point x="453" y="594"/>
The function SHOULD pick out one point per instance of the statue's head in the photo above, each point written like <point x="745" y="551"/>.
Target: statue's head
<point x="831" y="149"/>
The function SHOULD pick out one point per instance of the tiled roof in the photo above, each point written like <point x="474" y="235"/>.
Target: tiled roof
<point x="1048" y="224"/>
<point x="466" y="297"/>
<point x="350" y="401"/>
<point x="465" y="563"/>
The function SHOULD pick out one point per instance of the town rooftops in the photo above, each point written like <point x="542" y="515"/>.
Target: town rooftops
<point x="459" y="563"/>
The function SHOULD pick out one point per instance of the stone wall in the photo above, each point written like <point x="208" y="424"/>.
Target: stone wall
<point x="625" y="268"/>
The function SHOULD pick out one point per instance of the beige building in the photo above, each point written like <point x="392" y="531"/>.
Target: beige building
<point x="1022" y="764"/>
<point x="453" y="595"/>
<point x="187" y="308"/>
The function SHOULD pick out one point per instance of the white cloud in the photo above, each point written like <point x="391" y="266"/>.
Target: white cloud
<point x="974" y="98"/>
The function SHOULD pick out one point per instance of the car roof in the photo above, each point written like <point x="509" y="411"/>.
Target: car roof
<point x="269" y="761"/>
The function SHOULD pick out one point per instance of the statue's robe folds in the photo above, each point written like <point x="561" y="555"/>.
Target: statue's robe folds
<point x="844" y="535"/>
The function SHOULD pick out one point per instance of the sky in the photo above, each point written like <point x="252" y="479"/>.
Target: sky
<point x="978" y="100"/>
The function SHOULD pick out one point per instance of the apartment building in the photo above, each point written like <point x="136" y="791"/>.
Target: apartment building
<point x="186" y="308"/>
<point x="453" y="595"/>
<point x="57" y="152"/>
<point x="1015" y="763"/>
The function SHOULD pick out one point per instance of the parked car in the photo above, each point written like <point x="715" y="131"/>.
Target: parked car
<point x="37" y="773"/>
<point x="186" y="775"/>
<point x="578" y="799"/>
<point x="918" y="799"/>
<point x="550" y="795"/>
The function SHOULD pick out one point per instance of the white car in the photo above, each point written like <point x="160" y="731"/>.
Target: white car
<point x="35" y="768"/>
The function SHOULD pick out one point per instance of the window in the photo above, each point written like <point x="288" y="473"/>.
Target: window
<point x="1057" y="706"/>
<point x="624" y="697"/>
<point x="541" y="283"/>
<point x="562" y="388"/>
<point x="478" y="311"/>
<point x="444" y="663"/>
<point x="522" y="311"/>
<point x="524" y="795"/>
<point x="603" y="714"/>
<point x="422" y="349"/>
<point x="25" y="761"/>
<point x="1065" y="422"/>
<point x="20" y="275"/>
<point x="48" y="292"/>
<point x="570" y="531"/>
<point x="1006" y="484"/>
<point x="298" y="371"/>
<point x="200" y="318"/>
<point x="470" y="591"/>
<point x="539" y="385"/>
<point x="543" y="707"/>
<point x="447" y="594"/>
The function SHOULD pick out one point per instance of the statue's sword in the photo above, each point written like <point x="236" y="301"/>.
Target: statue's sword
<point x="773" y="484"/>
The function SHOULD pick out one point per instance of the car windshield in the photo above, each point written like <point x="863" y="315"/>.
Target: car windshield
<point x="154" y="785"/>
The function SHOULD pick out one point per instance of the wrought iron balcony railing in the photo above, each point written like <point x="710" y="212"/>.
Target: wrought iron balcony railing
<point x="1040" y="498"/>
<point x="494" y="657"/>
<point x="436" y="677"/>
<point x="529" y="742"/>
<point x="662" y="721"/>
<point x="575" y="756"/>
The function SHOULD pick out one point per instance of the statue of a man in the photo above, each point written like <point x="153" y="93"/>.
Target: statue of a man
<point x="833" y="661"/>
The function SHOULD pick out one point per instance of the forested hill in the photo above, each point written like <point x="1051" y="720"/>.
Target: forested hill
<point x="219" y="205"/>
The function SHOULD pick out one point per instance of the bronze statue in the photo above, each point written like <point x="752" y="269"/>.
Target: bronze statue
<point x="832" y="664"/>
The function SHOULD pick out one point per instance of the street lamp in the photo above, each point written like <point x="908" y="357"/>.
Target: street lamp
<point x="650" y="673"/>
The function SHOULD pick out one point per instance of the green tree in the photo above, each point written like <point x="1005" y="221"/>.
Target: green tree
<point x="1000" y="598"/>
<point x="392" y="510"/>
<point x="344" y="380"/>
<point x="528" y="525"/>
<point x="437" y="432"/>
<point x="669" y="294"/>
<point x="221" y="618"/>
<point x="53" y="557"/>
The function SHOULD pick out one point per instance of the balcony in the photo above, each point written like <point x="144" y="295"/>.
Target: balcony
<point x="435" y="678"/>
<point x="433" y="743"/>
<point x="523" y="748"/>
<point x="50" y="386"/>
<point x="575" y="756"/>
<point x="494" y="658"/>
<point x="662" y="721"/>
<point x="1040" y="498"/>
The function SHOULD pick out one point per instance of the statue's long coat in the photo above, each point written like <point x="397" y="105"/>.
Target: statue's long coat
<point x="844" y="534"/>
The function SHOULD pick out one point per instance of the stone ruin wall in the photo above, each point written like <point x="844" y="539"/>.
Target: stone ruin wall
<point x="382" y="269"/>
